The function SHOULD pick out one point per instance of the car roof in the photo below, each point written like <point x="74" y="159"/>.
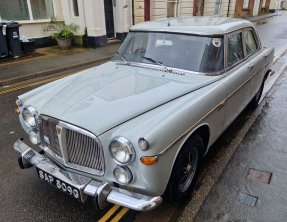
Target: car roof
<point x="202" y="25"/>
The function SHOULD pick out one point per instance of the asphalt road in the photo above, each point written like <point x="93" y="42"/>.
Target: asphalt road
<point x="26" y="198"/>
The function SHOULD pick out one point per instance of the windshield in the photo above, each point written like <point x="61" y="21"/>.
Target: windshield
<point x="194" y="53"/>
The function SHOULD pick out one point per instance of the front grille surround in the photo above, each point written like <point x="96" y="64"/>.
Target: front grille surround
<point x="78" y="148"/>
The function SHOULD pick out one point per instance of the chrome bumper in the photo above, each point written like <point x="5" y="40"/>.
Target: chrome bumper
<point x="102" y="192"/>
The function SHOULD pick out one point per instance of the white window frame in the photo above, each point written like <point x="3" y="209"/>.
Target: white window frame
<point x="264" y="4"/>
<point x="246" y="4"/>
<point x="177" y="5"/>
<point x="31" y="14"/>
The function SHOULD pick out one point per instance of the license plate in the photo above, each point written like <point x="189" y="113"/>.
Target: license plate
<point x="59" y="184"/>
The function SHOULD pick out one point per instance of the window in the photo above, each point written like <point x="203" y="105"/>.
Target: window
<point x="234" y="49"/>
<point x="250" y="42"/>
<point x="246" y="3"/>
<point x="263" y="3"/>
<point x="172" y="8"/>
<point x="194" y="53"/>
<point x="17" y="10"/>
<point x="14" y="10"/>
<point x="217" y="9"/>
<point x="75" y="8"/>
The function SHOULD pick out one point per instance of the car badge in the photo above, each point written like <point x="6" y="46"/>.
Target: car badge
<point x="46" y="139"/>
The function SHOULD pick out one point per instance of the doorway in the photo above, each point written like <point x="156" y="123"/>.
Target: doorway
<point x="147" y="10"/>
<point x="109" y="16"/>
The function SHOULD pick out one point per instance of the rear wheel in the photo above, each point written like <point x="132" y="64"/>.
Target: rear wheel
<point x="185" y="171"/>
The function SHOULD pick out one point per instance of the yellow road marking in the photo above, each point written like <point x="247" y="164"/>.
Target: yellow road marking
<point x="109" y="213"/>
<point x="120" y="215"/>
<point x="278" y="54"/>
<point x="35" y="83"/>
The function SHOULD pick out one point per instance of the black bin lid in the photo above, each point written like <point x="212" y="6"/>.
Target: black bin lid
<point x="13" y="25"/>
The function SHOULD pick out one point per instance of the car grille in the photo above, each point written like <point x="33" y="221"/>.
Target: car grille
<point x="83" y="151"/>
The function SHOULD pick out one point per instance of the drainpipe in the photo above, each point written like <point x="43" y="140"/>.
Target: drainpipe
<point x="228" y="8"/>
<point x="133" y="12"/>
<point x="194" y="7"/>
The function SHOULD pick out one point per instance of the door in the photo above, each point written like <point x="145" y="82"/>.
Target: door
<point x="256" y="58"/>
<point x="238" y="81"/>
<point x="147" y="10"/>
<point x="109" y="16"/>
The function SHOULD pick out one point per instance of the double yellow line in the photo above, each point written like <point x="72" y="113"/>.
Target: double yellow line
<point x="112" y="211"/>
<point x="35" y="83"/>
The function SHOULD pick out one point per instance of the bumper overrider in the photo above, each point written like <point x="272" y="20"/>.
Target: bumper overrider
<point x="101" y="192"/>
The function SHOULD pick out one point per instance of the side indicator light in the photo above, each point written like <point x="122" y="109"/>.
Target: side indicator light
<point x="149" y="160"/>
<point x="17" y="111"/>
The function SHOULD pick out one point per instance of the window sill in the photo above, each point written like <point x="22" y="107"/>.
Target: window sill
<point x="245" y="9"/>
<point x="36" y="21"/>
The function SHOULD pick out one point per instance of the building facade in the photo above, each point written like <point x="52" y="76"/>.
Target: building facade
<point x="101" y="20"/>
<point x="246" y="8"/>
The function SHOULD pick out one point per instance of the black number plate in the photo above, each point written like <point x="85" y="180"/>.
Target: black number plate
<point x="59" y="184"/>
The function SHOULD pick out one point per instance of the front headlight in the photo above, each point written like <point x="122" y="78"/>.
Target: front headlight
<point x="34" y="137"/>
<point x="122" y="151"/>
<point x="29" y="116"/>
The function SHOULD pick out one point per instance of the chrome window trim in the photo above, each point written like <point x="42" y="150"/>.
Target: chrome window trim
<point x="243" y="44"/>
<point x="60" y="160"/>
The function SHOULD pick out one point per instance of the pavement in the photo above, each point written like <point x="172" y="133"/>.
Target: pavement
<point x="32" y="68"/>
<point x="263" y="151"/>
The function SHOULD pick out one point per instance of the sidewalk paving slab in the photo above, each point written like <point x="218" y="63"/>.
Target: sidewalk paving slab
<point x="29" y="69"/>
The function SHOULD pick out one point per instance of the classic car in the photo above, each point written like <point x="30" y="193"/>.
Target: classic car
<point x="135" y="129"/>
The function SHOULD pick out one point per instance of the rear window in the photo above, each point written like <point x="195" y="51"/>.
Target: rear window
<point x="194" y="53"/>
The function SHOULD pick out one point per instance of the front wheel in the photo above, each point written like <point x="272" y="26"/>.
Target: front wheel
<point x="185" y="171"/>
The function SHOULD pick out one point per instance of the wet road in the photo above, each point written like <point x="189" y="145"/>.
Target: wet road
<point x="26" y="198"/>
<point x="273" y="31"/>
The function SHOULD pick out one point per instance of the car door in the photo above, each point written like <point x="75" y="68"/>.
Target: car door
<point x="238" y="76"/>
<point x="255" y="57"/>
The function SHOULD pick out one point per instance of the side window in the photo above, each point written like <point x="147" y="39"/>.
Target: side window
<point x="234" y="49"/>
<point x="250" y="42"/>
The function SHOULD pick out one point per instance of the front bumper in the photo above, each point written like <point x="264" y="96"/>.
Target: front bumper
<point x="102" y="192"/>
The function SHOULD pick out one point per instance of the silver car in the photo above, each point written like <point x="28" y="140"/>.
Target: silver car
<point x="137" y="127"/>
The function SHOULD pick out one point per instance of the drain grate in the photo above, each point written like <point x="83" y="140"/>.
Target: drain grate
<point x="247" y="199"/>
<point x="258" y="176"/>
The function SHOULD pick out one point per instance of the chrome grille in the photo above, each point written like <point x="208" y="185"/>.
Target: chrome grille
<point x="77" y="148"/>
<point x="84" y="150"/>
<point x="50" y="131"/>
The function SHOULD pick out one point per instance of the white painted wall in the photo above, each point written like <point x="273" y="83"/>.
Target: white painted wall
<point x="68" y="15"/>
<point x="122" y="16"/>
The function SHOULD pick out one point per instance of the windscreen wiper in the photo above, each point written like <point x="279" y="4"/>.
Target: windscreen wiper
<point x="155" y="61"/>
<point x="123" y="58"/>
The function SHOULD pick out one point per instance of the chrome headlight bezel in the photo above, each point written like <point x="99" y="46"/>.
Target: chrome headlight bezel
<point x="33" y="113"/>
<point x="127" y="145"/>
<point x="126" y="170"/>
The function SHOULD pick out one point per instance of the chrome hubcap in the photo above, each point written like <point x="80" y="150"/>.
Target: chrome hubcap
<point x="188" y="170"/>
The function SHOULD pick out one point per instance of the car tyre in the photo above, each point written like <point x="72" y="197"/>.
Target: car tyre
<point x="185" y="171"/>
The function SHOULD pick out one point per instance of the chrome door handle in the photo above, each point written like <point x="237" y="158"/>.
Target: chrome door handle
<point x="265" y="56"/>
<point x="251" y="67"/>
